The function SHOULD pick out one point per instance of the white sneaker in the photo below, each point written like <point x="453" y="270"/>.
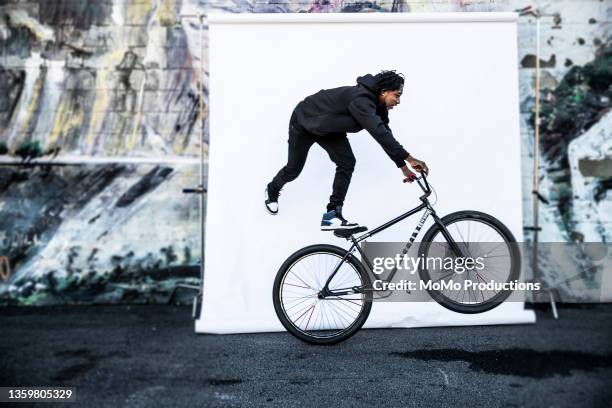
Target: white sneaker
<point x="271" y="201"/>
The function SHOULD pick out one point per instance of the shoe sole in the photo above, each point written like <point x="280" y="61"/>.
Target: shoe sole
<point x="339" y="227"/>
<point x="267" y="209"/>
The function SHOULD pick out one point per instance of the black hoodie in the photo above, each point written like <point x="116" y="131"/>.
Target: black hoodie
<point x="349" y="109"/>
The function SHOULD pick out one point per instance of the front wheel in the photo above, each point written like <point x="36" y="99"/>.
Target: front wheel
<point x="308" y="315"/>
<point x="479" y="236"/>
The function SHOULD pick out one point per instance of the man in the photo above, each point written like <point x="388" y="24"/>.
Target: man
<point x="325" y="118"/>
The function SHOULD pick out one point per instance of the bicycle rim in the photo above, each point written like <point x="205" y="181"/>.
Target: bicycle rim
<point x="305" y="311"/>
<point x="478" y="238"/>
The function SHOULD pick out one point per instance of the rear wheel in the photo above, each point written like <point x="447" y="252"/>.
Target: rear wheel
<point x="310" y="317"/>
<point x="478" y="235"/>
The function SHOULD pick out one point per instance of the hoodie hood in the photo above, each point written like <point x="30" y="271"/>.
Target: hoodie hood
<point x="369" y="82"/>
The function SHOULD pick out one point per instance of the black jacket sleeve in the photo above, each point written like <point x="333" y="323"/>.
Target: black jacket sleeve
<point x="363" y="110"/>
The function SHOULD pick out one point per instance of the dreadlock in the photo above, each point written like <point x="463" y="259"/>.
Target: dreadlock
<point x="389" y="81"/>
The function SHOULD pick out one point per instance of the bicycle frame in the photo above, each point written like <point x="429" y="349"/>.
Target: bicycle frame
<point x="425" y="205"/>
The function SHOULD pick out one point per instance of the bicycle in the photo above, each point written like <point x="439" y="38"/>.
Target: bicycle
<point x="323" y="294"/>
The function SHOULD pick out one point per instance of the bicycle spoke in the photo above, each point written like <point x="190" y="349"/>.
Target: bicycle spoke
<point x="497" y="259"/>
<point x="300" y="290"/>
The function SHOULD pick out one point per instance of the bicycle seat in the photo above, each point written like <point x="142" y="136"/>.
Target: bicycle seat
<point x="345" y="233"/>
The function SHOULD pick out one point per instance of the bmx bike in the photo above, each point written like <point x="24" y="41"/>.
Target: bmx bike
<point x="323" y="294"/>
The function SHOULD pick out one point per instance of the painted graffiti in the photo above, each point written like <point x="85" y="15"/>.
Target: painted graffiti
<point x="88" y="85"/>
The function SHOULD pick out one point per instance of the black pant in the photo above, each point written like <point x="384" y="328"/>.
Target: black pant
<point x="337" y="147"/>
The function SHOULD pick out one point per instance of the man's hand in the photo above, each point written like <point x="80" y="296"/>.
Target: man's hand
<point x="409" y="176"/>
<point x="417" y="164"/>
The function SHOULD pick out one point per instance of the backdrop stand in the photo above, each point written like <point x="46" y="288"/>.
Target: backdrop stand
<point x="537" y="197"/>
<point x="200" y="190"/>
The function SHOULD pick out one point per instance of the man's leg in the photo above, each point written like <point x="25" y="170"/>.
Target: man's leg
<point x="299" y="145"/>
<point x="339" y="150"/>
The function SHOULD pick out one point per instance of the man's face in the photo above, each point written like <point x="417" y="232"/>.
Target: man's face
<point x="390" y="98"/>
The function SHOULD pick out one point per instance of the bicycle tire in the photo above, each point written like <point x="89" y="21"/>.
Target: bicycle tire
<point x="286" y="268"/>
<point x="504" y="232"/>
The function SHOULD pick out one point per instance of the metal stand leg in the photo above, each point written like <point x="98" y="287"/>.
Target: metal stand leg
<point x="197" y="299"/>
<point x="553" y="305"/>
<point x="537" y="197"/>
<point x="200" y="190"/>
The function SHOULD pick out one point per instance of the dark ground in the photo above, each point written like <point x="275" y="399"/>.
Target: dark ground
<point x="146" y="356"/>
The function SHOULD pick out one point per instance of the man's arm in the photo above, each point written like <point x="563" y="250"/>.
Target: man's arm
<point x="363" y="110"/>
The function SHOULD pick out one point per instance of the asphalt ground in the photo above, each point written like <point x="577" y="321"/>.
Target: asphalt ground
<point x="149" y="356"/>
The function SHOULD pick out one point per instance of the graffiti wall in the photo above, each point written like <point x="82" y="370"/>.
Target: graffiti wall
<point x="100" y="130"/>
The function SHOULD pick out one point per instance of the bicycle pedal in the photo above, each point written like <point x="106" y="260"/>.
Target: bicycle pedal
<point x="346" y="233"/>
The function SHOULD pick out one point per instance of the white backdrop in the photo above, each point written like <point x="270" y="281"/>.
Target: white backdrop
<point x="459" y="113"/>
